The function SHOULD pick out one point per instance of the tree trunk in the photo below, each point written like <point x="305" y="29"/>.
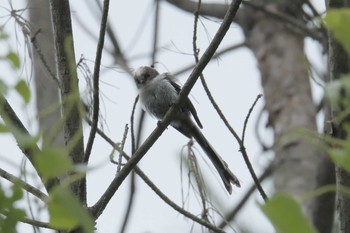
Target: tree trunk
<point x="339" y="64"/>
<point x="286" y="84"/>
<point x="46" y="89"/>
<point x="67" y="76"/>
<point x="279" y="51"/>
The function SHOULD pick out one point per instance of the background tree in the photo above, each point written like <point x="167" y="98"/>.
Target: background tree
<point x="275" y="32"/>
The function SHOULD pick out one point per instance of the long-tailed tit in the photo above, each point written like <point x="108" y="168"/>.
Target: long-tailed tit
<point x="158" y="92"/>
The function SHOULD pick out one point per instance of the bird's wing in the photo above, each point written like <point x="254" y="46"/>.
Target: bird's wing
<point x="188" y="106"/>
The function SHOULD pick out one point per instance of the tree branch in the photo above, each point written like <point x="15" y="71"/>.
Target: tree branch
<point x="96" y="78"/>
<point x="29" y="188"/>
<point x="216" y="106"/>
<point x="148" y="181"/>
<point x="319" y="35"/>
<point x="32" y="222"/>
<point x="19" y="131"/>
<point x="67" y="74"/>
<point x="230" y="216"/>
<point x="216" y="55"/>
<point x="98" y="208"/>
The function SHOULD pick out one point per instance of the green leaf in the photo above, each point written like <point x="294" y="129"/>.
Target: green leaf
<point x="341" y="155"/>
<point x="3" y="35"/>
<point x="10" y="215"/>
<point x="335" y="90"/>
<point x="24" y="140"/>
<point x="13" y="216"/>
<point x="286" y="215"/>
<point x="23" y="89"/>
<point x="338" y="21"/>
<point x="17" y="193"/>
<point x="14" y="59"/>
<point x="53" y="162"/>
<point x="3" y="128"/>
<point x="66" y="212"/>
<point x="3" y="87"/>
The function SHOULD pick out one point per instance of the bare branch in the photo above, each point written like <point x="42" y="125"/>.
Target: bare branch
<point x="12" y="121"/>
<point x="126" y="129"/>
<point x="29" y="188"/>
<point x="216" y="55"/>
<point x="230" y="216"/>
<point x="148" y="181"/>
<point x="33" y="222"/>
<point x="297" y="25"/>
<point x="155" y="32"/>
<point x="248" y="115"/>
<point x="217" y="108"/>
<point x="96" y="78"/>
<point x="98" y="208"/>
<point x="216" y="10"/>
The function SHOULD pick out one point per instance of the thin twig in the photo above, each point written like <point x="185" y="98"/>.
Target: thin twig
<point x="217" y="108"/>
<point x="297" y="24"/>
<point x="238" y="139"/>
<point x="117" y="53"/>
<point x="230" y="216"/>
<point x="126" y="129"/>
<point x="24" y="185"/>
<point x="248" y="115"/>
<point x="312" y="8"/>
<point x="132" y="182"/>
<point x="42" y="58"/>
<point x="155" y="32"/>
<point x="246" y="157"/>
<point x="29" y="35"/>
<point x="132" y="128"/>
<point x="32" y="222"/>
<point x="148" y="181"/>
<point x="132" y="185"/>
<point x="216" y="55"/>
<point x="259" y="137"/>
<point x="192" y="158"/>
<point x="136" y="144"/>
<point x="96" y="78"/>
<point x="19" y="131"/>
<point x="101" y="204"/>
<point x="193" y="168"/>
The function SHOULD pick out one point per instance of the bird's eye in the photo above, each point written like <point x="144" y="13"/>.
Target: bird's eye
<point x="144" y="78"/>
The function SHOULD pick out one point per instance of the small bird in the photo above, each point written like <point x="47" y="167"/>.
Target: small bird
<point x="158" y="92"/>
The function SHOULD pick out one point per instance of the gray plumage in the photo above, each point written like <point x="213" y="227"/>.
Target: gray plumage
<point x="157" y="93"/>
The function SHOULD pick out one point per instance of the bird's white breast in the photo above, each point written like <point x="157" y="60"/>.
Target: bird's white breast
<point x="158" y="96"/>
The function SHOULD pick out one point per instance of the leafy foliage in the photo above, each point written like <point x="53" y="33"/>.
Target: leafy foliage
<point x="53" y="162"/>
<point x="10" y="215"/>
<point x="13" y="58"/>
<point x="338" y="21"/>
<point x="286" y="215"/>
<point x="23" y="89"/>
<point x="66" y="212"/>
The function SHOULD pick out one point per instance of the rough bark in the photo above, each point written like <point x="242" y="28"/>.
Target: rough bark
<point x="67" y="75"/>
<point x="339" y="64"/>
<point x="46" y="89"/>
<point x="284" y="77"/>
<point x="285" y="80"/>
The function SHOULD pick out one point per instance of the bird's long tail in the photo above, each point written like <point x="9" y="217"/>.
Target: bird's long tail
<point x="221" y="166"/>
